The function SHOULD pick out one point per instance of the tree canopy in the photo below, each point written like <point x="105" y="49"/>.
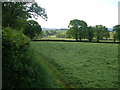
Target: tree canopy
<point x="80" y="29"/>
<point x="100" y="32"/>
<point x="15" y="14"/>
<point x="90" y="33"/>
<point x="116" y="30"/>
<point x="32" y="29"/>
<point x="79" y="26"/>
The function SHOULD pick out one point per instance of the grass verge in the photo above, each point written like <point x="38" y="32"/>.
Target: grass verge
<point x="48" y="74"/>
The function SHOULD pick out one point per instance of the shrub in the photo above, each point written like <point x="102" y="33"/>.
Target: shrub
<point x="14" y="40"/>
<point x="14" y="60"/>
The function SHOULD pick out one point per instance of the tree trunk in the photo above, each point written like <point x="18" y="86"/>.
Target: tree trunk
<point x="90" y="40"/>
<point x="114" y="40"/>
<point x="80" y="38"/>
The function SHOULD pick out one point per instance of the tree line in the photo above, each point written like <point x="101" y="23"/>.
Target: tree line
<point x="79" y="30"/>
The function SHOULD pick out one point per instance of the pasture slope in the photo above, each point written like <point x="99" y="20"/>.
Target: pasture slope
<point x="79" y="64"/>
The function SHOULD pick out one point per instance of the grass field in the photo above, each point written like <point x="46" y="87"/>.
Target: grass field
<point x="81" y="65"/>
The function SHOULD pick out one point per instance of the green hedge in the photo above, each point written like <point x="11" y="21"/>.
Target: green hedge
<point x="14" y="59"/>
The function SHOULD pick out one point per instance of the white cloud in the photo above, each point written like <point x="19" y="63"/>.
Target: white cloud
<point x="94" y="12"/>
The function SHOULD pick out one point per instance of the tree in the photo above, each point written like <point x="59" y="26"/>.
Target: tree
<point x="116" y="31"/>
<point x="78" y="26"/>
<point x="82" y="30"/>
<point x="71" y="33"/>
<point x="90" y="33"/>
<point x="15" y="14"/>
<point x="114" y="35"/>
<point x="106" y="33"/>
<point x="32" y="29"/>
<point x="99" y="31"/>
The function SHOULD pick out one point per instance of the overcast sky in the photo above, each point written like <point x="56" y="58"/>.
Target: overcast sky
<point x="93" y="12"/>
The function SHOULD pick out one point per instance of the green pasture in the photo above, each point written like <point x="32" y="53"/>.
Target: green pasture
<point x="80" y="65"/>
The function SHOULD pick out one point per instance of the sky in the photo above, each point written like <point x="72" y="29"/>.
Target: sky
<point x="93" y="12"/>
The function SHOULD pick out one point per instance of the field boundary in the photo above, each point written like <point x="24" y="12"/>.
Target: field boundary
<point x="77" y="41"/>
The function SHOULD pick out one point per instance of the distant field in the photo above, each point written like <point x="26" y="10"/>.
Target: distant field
<point x="62" y="31"/>
<point x="82" y="65"/>
<point x="54" y="38"/>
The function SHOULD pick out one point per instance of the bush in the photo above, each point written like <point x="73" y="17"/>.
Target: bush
<point x="20" y="69"/>
<point x="14" y="60"/>
<point x="14" y="41"/>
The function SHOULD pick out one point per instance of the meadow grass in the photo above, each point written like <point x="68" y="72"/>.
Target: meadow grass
<point x="81" y="65"/>
<point x="47" y="76"/>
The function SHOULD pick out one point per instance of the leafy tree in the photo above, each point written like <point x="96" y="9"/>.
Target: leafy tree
<point x="15" y="14"/>
<point x="32" y="29"/>
<point x="79" y="27"/>
<point x="74" y="25"/>
<point x="90" y="33"/>
<point x="99" y="32"/>
<point x="116" y="31"/>
<point x="82" y="30"/>
<point x="114" y="35"/>
<point x="106" y="33"/>
<point x="70" y="33"/>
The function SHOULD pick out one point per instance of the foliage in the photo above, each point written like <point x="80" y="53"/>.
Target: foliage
<point x="79" y="27"/>
<point x="14" y="40"/>
<point x="106" y="33"/>
<point x="71" y="33"/>
<point x="15" y="14"/>
<point x="14" y="44"/>
<point x="20" y="66"/>
<point x="100" y="32"/>
<point x="116" y="32"/>
<point x="32" y="29"/>
<point x="90" y="33"/>
<point x="82" y="65"/>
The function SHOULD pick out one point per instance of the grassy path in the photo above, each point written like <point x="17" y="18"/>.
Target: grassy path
<point x="52" y="78"/>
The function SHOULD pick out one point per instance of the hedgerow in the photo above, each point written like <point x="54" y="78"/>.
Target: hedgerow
<point x="14" y="61"/>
